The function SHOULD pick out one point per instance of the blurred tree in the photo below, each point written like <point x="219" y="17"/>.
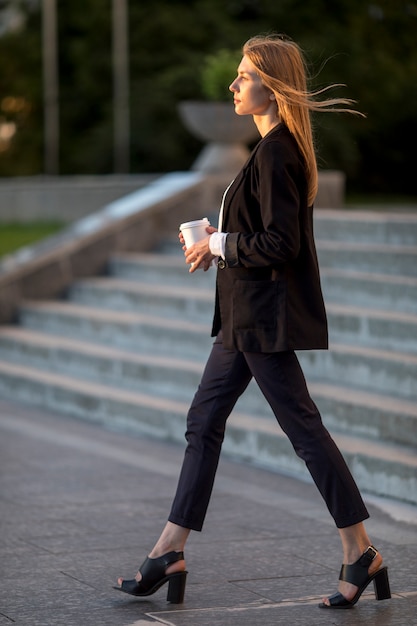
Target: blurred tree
<point x="371" y="47"/>
<point x="84" y="34"/>
<point x="21" y="98"/>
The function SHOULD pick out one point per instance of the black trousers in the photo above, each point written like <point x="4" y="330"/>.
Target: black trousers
<point x="281" y="380"/>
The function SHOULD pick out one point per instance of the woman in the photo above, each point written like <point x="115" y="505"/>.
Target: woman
<point x="268" y="304"/>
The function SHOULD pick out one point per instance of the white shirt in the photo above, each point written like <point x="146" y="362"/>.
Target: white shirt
<point x="217" y="241"/>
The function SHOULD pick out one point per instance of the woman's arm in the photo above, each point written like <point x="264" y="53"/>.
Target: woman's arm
<point x="278" y="188"/>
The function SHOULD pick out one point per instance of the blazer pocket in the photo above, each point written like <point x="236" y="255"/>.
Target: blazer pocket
<point x="255" y="304"/>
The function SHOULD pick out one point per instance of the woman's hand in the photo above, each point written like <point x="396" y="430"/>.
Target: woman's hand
<point x="199" y="254"/>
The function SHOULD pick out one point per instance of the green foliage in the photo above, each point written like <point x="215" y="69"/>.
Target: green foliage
<point x="86" y="86"/>
<point x="218" y="71"/>
<point x="370" y="47"/>
<point x="15" y="235"/>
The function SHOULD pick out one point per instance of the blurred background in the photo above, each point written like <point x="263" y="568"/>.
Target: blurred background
<point x="73" y="77"/>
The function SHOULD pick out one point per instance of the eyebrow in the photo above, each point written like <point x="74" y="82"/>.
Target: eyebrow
<point x="241" y="72"/>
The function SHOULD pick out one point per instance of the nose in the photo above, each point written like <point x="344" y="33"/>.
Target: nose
<point x="232" y="86"/>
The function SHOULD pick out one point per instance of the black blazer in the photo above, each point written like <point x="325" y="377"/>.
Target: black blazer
<point x="268" y="294"/>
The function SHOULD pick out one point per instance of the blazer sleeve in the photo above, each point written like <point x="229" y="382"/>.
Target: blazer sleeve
<point x="276" y="190"/>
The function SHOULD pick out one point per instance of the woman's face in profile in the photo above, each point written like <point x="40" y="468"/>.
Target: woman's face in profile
<point x="250" y="96"/>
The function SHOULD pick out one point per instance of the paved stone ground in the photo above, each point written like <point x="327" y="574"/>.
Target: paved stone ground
<point x="80" y="506"/>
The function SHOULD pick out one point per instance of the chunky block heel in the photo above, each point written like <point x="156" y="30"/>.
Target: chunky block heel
<point x="381" y="585"/>
<point x="176" y="588"/>
<point x="154" y="576"/>
<point x="357" y="574"/>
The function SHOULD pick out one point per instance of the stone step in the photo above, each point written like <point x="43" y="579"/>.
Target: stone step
<point x="376" y="416"/>
<point x="360" y="368"/>
<point x="387" y="330"/>
<point x="395" y="227"/>
<point x="379" y="468"/>
<point x="195" y="302"/>
<point x="164" y="375"/>
<point x="155" y="332"/>
<point x="364" y="368"/>
<point x="397" y="260"/>
<point x="191" y="302"/>
<point x="363" y="411"/>
<point x="122" y="329"/>
<point x="344" y="409"/>
<point x="392" y="228"/>
<point x="348" y="324"/>
<point x="169" y="269"/>
<point x="384" y="258"/>
<point x="383" y="291"/>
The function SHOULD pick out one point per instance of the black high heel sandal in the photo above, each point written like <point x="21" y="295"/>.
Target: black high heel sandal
<point x="357" y="574"/>
<point x="154" y="576"/>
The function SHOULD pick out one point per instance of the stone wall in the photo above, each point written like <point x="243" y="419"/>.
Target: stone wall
<point x="64" y="198"/>
<point x="69" y="198"/>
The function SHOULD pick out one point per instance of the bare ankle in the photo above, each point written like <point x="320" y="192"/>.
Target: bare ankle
<point x="172" y="539"/>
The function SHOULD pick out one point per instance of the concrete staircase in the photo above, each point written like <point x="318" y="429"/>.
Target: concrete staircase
<point x="127" y="350"/>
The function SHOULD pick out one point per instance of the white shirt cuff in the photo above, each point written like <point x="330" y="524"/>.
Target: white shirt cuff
<point x="217" y="243"/>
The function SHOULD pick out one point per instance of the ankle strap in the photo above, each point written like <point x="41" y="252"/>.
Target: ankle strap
<point x="171" y="557"/>
<point x="367" y="557"/>
<point x="357" y="573"/>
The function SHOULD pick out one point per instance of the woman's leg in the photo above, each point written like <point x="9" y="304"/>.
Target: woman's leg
<point x="225" y="378"/>
<point x="282" y="382"/>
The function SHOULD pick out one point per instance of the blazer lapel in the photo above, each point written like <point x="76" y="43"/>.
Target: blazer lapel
<point x="236" y="184"/>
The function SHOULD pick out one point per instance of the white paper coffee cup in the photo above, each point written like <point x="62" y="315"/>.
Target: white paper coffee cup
<point x="194" y="231"/>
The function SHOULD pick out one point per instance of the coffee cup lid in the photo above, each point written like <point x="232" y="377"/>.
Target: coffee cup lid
<point x="194" y="223"/>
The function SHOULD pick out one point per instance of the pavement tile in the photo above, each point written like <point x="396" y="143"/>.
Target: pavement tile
<point x="303" y="613"/>
<point x="81" y="505"/>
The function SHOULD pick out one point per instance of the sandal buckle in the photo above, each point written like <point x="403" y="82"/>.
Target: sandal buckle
<point x="371" y="552"/>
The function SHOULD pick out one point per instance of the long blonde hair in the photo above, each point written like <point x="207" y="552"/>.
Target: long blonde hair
<point x="280" y="63"/>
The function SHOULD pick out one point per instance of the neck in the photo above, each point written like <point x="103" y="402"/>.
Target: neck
<point x="265" y="123"/>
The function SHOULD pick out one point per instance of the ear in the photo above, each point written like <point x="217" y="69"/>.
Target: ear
<point x="272" y="96"/>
